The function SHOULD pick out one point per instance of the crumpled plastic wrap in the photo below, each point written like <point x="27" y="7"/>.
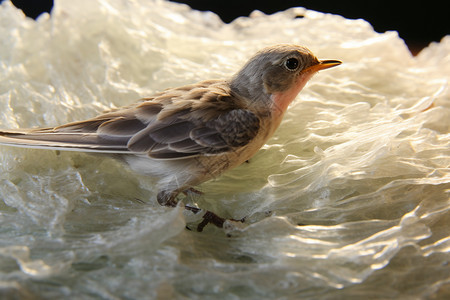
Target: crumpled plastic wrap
<point x="349" y="199"/>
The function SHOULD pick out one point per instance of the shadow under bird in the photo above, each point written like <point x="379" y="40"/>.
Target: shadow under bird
<point x="187" y="135"/>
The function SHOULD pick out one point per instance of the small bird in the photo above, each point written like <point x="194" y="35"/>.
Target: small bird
<point x="187" y="135"/>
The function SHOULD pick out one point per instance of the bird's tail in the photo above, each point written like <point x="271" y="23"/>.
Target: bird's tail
<point x="48" y="138"/>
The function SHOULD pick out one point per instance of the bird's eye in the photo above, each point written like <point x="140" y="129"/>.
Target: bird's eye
<point x="291" y="64"/>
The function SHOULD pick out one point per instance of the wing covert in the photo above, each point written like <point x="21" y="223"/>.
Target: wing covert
<point x="182" y="137"/>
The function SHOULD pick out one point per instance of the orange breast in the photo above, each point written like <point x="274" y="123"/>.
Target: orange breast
<point x="281" y="100"/>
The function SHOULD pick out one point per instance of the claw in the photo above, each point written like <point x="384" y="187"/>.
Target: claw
<point x="195" y="210"/>
<point x="212" y="218"/>
<point x="169" y="199"/>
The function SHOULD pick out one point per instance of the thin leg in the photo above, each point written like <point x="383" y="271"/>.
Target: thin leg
<point x="192" y="190"/>
<point x="212" y="218"/>
<point x="209" y="217"/>
<point x="168" y="199"/>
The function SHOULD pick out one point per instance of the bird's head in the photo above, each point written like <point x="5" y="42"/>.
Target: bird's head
<point x="276" y="74"/>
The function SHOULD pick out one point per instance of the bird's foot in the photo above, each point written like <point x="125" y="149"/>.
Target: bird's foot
<point x="209" y="217"/>
<point x="169" y="199"/>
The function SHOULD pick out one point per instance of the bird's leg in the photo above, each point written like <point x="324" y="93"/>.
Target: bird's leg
<point x="210" y="217"/>
<point x="214" y="219"/>
<point x="167" y="198"/>
<point x="192" y="190"/>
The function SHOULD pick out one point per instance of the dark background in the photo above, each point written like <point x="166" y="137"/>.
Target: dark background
<point x="418" y="22"/>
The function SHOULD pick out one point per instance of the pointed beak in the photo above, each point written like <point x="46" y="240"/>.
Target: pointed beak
<point x="324" y="64"/>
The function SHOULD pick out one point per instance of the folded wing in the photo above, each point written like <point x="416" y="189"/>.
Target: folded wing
<point x="172" y="125"/>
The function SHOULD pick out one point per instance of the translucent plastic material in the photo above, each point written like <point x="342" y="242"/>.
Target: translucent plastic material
<point x="349" y="199"/>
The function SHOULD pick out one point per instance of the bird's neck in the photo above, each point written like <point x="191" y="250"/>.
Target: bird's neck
<point x="253" y="96"/>
<point x="281" y="100"/>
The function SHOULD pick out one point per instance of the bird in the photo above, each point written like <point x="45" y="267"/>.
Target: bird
<point x="187" y="135"/>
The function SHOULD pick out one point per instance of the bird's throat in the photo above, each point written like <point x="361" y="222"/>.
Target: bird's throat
<point x="281" y="100"/>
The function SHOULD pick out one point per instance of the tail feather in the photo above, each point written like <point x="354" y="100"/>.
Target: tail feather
<point x="68" y="141"/>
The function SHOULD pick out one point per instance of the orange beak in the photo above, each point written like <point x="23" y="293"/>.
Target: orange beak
<point x="324" y="64"/>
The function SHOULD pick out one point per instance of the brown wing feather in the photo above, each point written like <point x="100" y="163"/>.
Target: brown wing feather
<point x="188" y="121"/>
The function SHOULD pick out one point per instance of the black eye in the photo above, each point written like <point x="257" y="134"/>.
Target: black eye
<point x="291" y="63"/>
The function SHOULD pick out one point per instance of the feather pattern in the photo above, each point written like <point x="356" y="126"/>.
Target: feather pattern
<point x="198" y="119"/>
